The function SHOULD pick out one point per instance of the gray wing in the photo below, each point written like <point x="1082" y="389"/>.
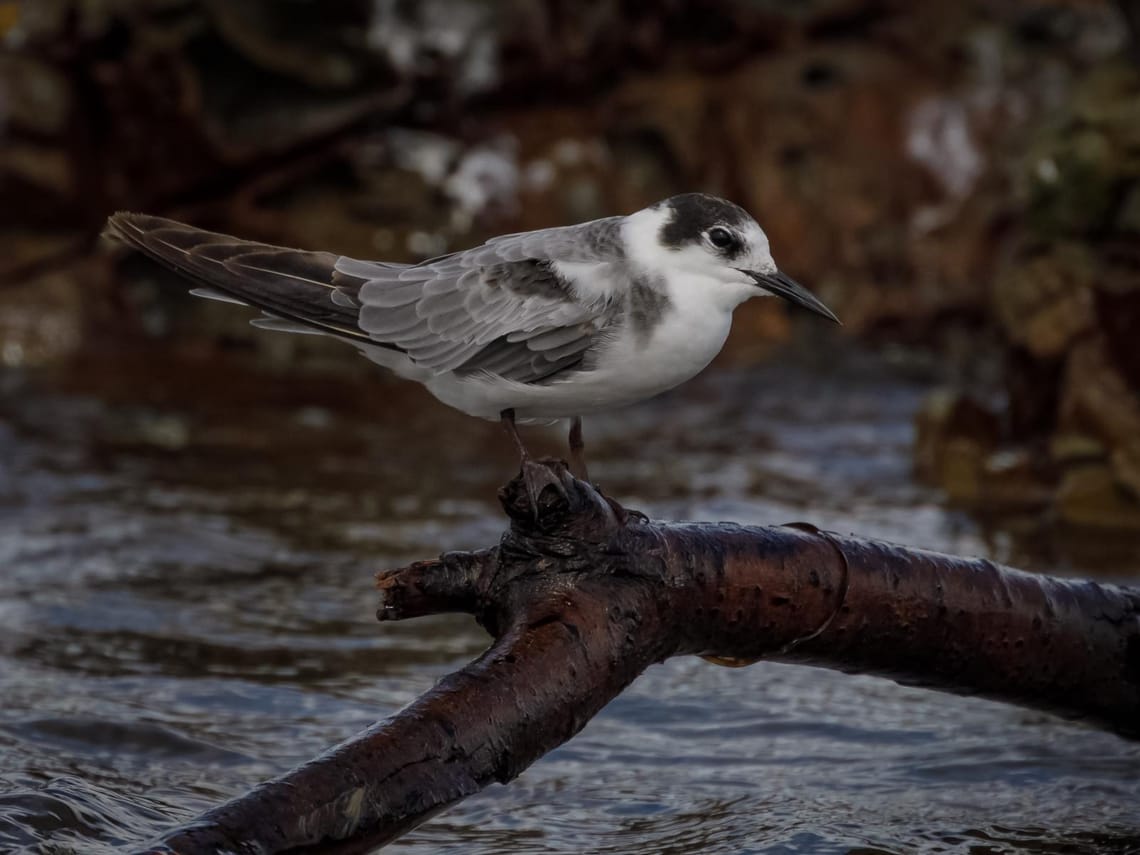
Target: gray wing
<point x="500" y="308"/>
<point x="300" y="291"/>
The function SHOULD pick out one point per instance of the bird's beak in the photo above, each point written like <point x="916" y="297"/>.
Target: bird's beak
<point x="792" y="291"/>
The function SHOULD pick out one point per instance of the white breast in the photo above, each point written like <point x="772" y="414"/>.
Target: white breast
<point x="634" y="365"/>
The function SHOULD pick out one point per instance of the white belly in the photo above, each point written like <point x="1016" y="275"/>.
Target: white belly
<point x="631" y="369"/>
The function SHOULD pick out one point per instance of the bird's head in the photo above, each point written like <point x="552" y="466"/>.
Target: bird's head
<point x="700" y="241"/>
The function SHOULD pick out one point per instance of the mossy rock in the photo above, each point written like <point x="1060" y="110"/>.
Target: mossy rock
<point x="1090" y="496"/>
<point x="1082" y="166"/>
<point x="1045" y="301"/>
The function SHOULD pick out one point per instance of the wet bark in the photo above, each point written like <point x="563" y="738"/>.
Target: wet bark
<point x="583" y="595"/>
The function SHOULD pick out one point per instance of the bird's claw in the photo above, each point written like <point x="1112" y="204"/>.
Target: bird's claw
<point x="537" y="477"/>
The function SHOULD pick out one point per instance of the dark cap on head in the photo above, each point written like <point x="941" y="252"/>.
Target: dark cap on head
<point x="692" y="214"/>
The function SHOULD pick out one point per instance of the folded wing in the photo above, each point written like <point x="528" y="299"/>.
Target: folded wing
<point x="502" y="308"/>
<point x="302" y="288"/>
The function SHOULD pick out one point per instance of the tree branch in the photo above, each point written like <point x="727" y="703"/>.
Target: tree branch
<point x="585" y="595"/>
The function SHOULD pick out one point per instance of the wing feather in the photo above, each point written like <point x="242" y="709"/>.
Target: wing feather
<point x="443" y="303"/>
<point x="220" y="296"/>
<point x="500" y="308"/>
<point x="293" y="286"/>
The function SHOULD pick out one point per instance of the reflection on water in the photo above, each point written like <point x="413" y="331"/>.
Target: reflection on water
<point x="186" y="608"/>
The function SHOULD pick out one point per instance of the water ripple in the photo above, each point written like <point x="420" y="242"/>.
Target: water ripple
<point x="178" y="624"/>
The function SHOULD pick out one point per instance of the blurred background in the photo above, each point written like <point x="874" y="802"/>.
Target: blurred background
<point x="191" y="510"/>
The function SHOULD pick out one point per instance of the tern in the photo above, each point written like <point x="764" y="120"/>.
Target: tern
<point x="529" y="327"/>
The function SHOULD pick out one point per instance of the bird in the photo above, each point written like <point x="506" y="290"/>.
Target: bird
<point x="529" y="327"/>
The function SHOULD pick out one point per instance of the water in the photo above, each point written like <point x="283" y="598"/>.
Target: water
<point x="186" y="608"/>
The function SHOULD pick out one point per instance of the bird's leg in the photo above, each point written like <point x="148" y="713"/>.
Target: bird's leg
<point x="577" y="447"/>
<point x="507" y="420"/>
<point x="536" y="476"/>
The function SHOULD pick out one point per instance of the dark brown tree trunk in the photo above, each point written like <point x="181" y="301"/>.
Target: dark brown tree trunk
<point x="584" y="596"/>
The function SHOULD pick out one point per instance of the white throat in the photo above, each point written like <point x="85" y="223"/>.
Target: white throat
<point x="686" y="275"/>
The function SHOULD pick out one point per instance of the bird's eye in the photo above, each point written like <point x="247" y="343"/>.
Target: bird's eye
<point x="721" y="237"/>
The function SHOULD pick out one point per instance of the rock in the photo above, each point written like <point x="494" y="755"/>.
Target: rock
<point x="1090" y="496"/>
<point x="24" y="251"/>
<point x="1125" y="464"/>
<point x="1107" y="98"/>
<point x="959" y="470"/>
<point x="1032" y="388"/>
<point x="1070" y="297"/>
<point x="1128" y="214"/>
<point x="1117" y="299"/>
<point x="313" y="43"/>
<point x="37" y="96"/>
<point x="1078" y="168"/>
<point x="1069" y="448"/>
<point x="41" y="320"/>
<point x="1045" y="301"/>
<point x="1073" y="188"/>
<point x="954" y="435"/>
<point x="1095" y="398"/>
<point x="956" y="448"/>
<point x="1014" y="478"/>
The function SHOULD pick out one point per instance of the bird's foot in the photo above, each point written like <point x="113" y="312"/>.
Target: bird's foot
<point x="537" y="477"/>
<point x="578" y="451"/>
<point x="623" y="514"/>
<point x="577" y="466"/>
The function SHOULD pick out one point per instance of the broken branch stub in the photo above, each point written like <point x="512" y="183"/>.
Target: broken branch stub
<point x="584" y="595"/>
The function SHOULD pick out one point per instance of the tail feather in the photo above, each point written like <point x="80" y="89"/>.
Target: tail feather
<point x="220" y="296"/>
<point x="299" y="287"/>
